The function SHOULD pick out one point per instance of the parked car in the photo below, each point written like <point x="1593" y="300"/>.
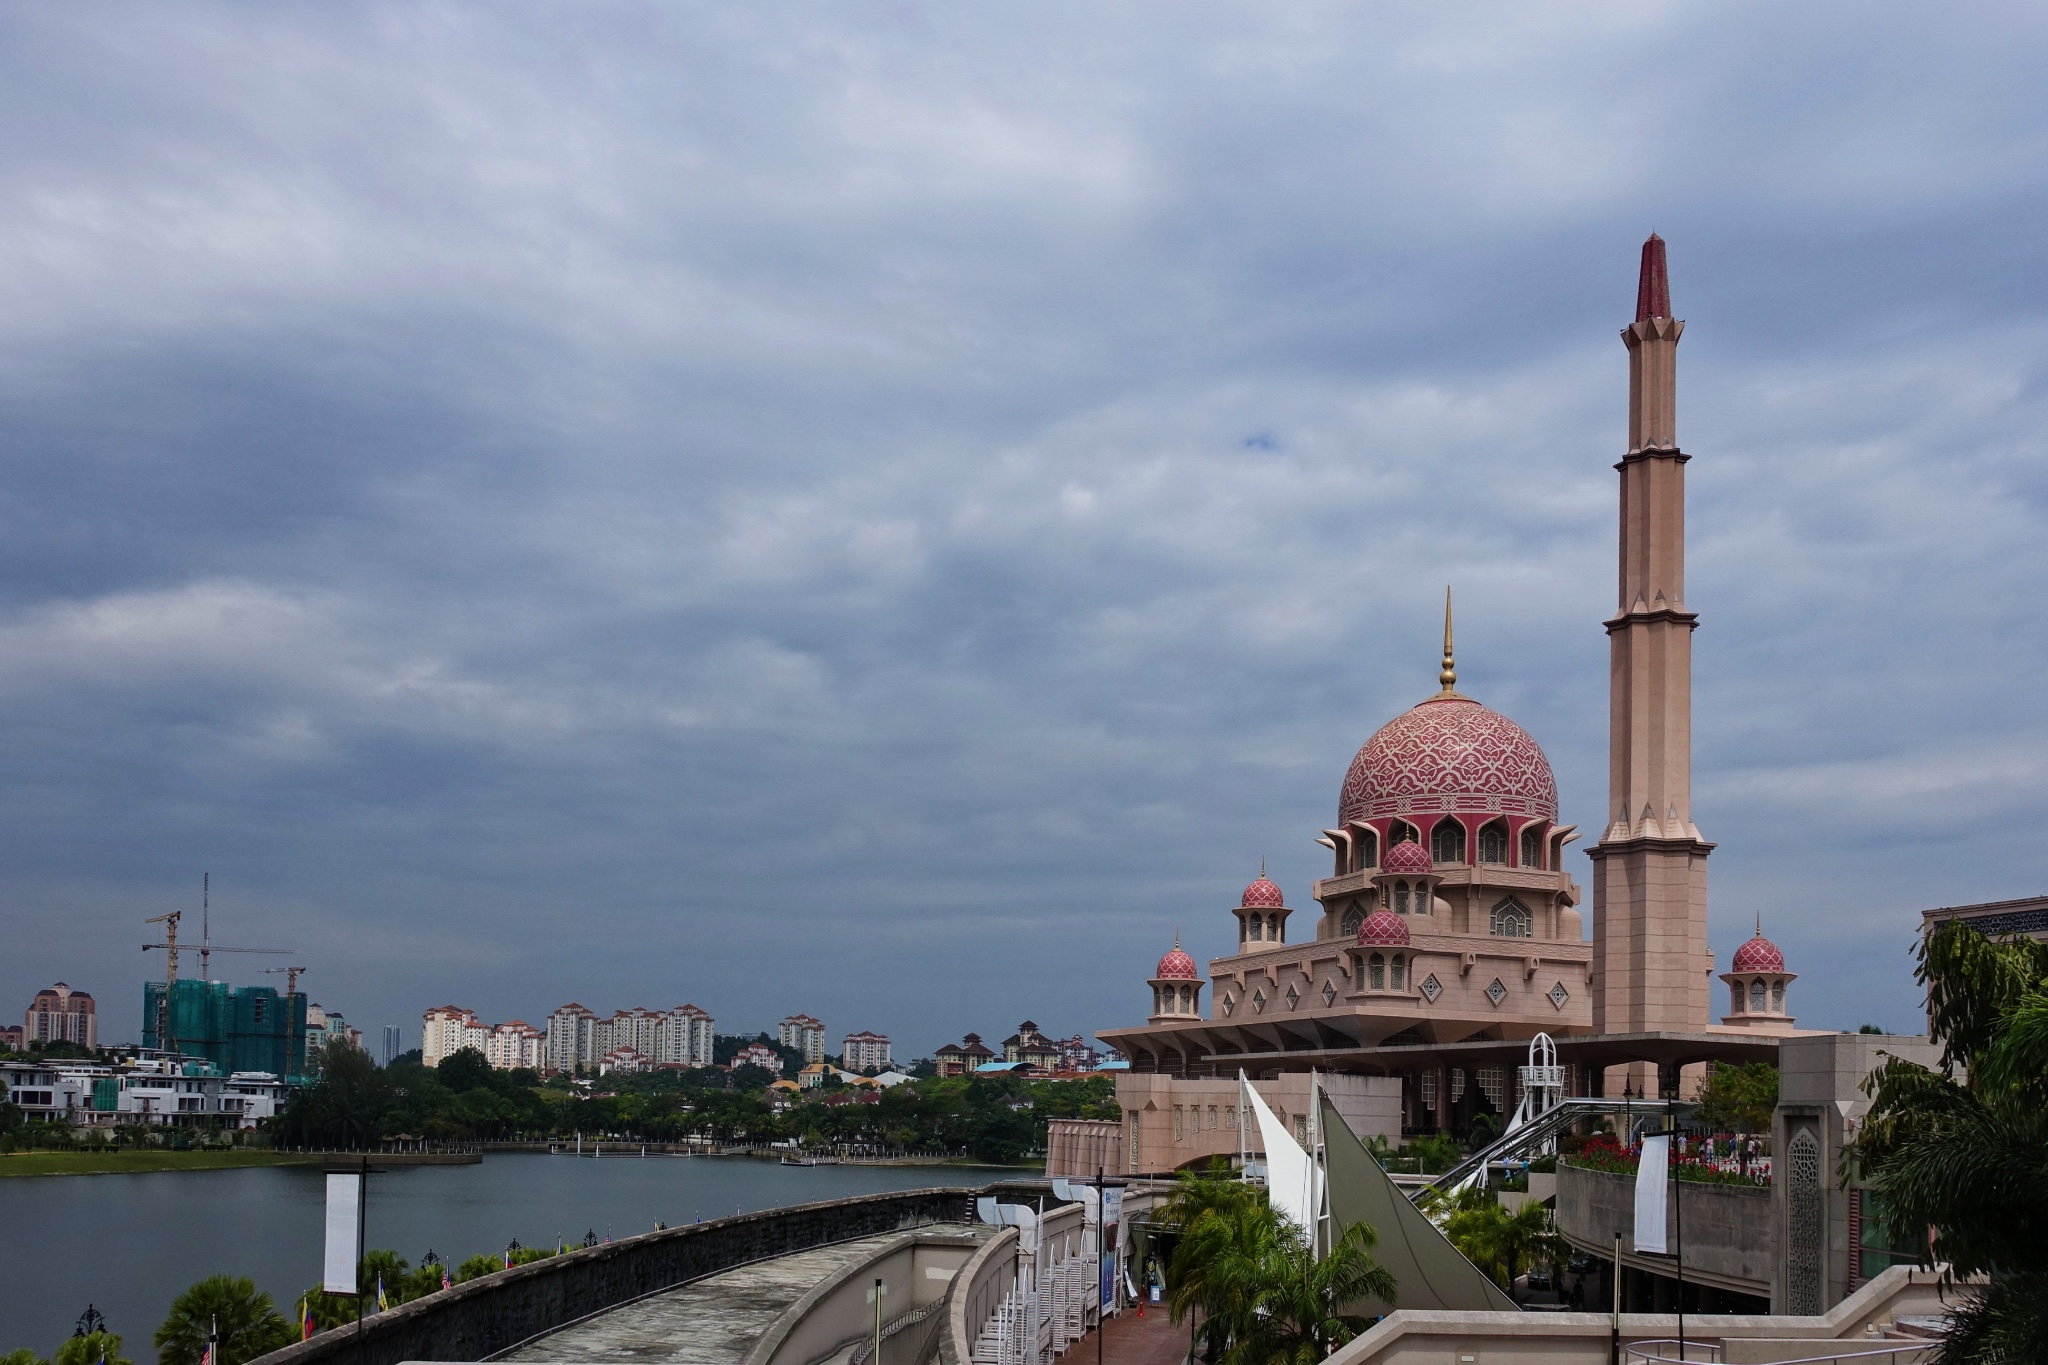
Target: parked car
<point x="1581" y="1263"/>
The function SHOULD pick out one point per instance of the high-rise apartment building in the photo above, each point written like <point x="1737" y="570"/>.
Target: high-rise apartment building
<point x="61" y="1015"/>
<point x="514" y="1045"/>
<point x="572" y="1039"/>
<point x="447" y="1029"/>
<point x="684" y="1037"/>
<point x="865" y="1051"/>
<point x="805" y="1034"/>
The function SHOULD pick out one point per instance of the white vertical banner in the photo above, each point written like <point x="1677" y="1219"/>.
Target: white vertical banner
<point x="344" y="1233"/>
<point x="1652" y="1170"/>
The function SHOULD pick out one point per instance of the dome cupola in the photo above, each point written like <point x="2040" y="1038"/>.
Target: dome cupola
<point x="1261" y="915"/>
<point x="1407" y="859"/>
<point x="1757" y="979"/>
<point x="1176" y="986"/>
<point x="1383" y="928"/>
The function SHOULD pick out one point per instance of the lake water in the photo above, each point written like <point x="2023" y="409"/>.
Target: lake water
<point x="129" y="1244"/>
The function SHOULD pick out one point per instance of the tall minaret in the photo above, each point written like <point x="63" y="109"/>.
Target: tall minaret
<point x="1650" y="866"/>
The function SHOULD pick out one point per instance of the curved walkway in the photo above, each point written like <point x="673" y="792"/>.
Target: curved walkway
<point x="712" y="1321"/>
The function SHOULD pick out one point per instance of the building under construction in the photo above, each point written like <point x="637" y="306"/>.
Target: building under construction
<point x="252" y="1028"/>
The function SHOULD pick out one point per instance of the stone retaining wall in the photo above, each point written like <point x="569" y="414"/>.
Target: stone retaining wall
<point x="478" y="1320"/>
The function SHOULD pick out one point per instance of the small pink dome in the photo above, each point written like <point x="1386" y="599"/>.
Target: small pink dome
<point x="1383" y="928"/>
<point x="1262" y="895"/>
<point x="1176" y="966"/>
<point x="1758" y="955"/>
<point x="1409" y="858"/>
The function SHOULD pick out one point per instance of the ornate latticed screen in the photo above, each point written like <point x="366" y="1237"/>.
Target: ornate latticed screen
<point x="1803" y="1249"/>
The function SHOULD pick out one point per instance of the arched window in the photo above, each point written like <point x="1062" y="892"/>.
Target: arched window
<point x="1187" y="999"/>
<point x="1447" y="843"/>
<point x="1400" y="970"/>
<point x="1400" y="898"/>
<point x="1511" y="920"/>
<point x="1368" y="846"/>
<point x="1376" y="972"/>
<point x="1777" y="997"/>
<point x="1273" y="928"/>
<point x="1353" y="917"/>
<point x="1423" y="900"/>
<point x="1256" y="923"/>
<point x="1756" y="996"/>
<point x="1735" y="997"/>
<point x="1493" y="843"/>
<point x="1158" y="997"/>
<point x="1361" y="973"/>
<point x="1532" y="847"/>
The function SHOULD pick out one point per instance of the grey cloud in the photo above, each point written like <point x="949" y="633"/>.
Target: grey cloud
<point x="762" y="508"/>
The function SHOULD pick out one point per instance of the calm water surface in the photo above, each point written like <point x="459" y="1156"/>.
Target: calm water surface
<point x="129" y="1244"/>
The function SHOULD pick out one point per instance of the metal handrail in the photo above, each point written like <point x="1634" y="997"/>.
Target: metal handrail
<point x="1695" y="1353"/>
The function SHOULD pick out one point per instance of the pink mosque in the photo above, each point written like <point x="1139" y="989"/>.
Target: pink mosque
<point x="1449" y="931"/>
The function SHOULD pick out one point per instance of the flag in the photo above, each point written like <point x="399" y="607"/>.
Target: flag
<point x="1652" y="1169"/>
<point x="508" y="1258"/>
<point x="306" y="1319"/>
<point x="382" y="1304"/>
<point x="446" y="1283"/>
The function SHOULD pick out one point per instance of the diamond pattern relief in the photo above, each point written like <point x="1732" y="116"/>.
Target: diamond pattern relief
<point x="1293" y="997"/>
<point x="1445" y="755"/>
<point x="1496" y="992"/>
<point x="1431" y="988"/>
<point x="1558" y="995"/>
<point x="1258" y="1001"/>
<point x="1329" y="995"/>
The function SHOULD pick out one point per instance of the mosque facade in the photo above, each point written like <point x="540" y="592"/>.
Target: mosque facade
<point x="1450" y="931"/>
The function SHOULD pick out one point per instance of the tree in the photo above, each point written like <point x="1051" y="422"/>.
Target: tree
<point x="1969" y="1159"/>
<point x="1739" y="1099"/>
<point x="24" y="1356"/>
<point x="464" y="1069"/>
<point x="1267" y="1298"/>
<point x="232" y="1311"/>
<point x="90" y="1348"/>
<point x="478" y="1266"/>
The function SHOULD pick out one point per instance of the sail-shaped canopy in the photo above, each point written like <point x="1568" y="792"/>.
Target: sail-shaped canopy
<point x="1428" y="1271"/>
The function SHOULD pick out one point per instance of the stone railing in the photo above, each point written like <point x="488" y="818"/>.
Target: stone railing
<point x="838" y="1313"/>
<point x="975" y="1294"/>
<point x="1866" y="1322"/>
<point x="1730" y="1235"/>
<point x="483" y="1317"/>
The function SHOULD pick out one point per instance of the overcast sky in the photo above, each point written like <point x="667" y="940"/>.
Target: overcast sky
<point x="892" y="510"/>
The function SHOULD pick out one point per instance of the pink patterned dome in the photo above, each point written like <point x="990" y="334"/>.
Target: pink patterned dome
<point x="1176" y="966"/>
<point x="1408" y="858"/>
<point x="1383" y="928"/>
<point x="1449" y="753"/>
<point x="1758" y="955"/>
<point x="1262" y="895"/>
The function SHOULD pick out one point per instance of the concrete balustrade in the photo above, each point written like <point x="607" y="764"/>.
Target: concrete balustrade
<point x="915" y="1271"/>
<point x="484" y="1317"/>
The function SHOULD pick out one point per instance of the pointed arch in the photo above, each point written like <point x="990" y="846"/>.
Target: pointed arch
<point x="1511" y="919"/>
<point x="1447" y="841"/>
<point x="1493" y="842"/>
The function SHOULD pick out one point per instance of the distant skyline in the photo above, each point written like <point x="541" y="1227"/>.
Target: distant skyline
<point x="892" y="513"/>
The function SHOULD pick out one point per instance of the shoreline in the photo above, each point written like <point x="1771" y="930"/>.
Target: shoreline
<point x="142" y="1161"/>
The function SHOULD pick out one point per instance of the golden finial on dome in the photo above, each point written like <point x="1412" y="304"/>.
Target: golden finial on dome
<point x="1449" y="677"/>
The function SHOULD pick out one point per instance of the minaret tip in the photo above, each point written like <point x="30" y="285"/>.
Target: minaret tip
<point x="1449" y="676"/>
<point x="1653" y="285"/>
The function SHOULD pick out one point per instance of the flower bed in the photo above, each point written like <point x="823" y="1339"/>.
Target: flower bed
<point x="1603" y="1153"/>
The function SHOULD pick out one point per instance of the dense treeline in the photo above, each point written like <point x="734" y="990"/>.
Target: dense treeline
<point x="991" y="1118"/>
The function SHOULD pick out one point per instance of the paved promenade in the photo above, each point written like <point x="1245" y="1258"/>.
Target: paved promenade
<point x="709" y="1322"/>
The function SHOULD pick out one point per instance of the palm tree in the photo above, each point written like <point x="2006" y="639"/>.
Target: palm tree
<point x="1213" y="1212"/>
<point x="90" y="1348"/>
<point x="1969" y="1159"/>
<point x="1290" y="1305"/>
<point x="229" y="1309"/>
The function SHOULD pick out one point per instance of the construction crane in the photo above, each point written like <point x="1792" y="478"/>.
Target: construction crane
<point x="291" y="978"/>
<point x="170" y="946"/>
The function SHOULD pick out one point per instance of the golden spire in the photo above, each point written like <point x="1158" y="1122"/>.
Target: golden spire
<point x="1449" y="677"/>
